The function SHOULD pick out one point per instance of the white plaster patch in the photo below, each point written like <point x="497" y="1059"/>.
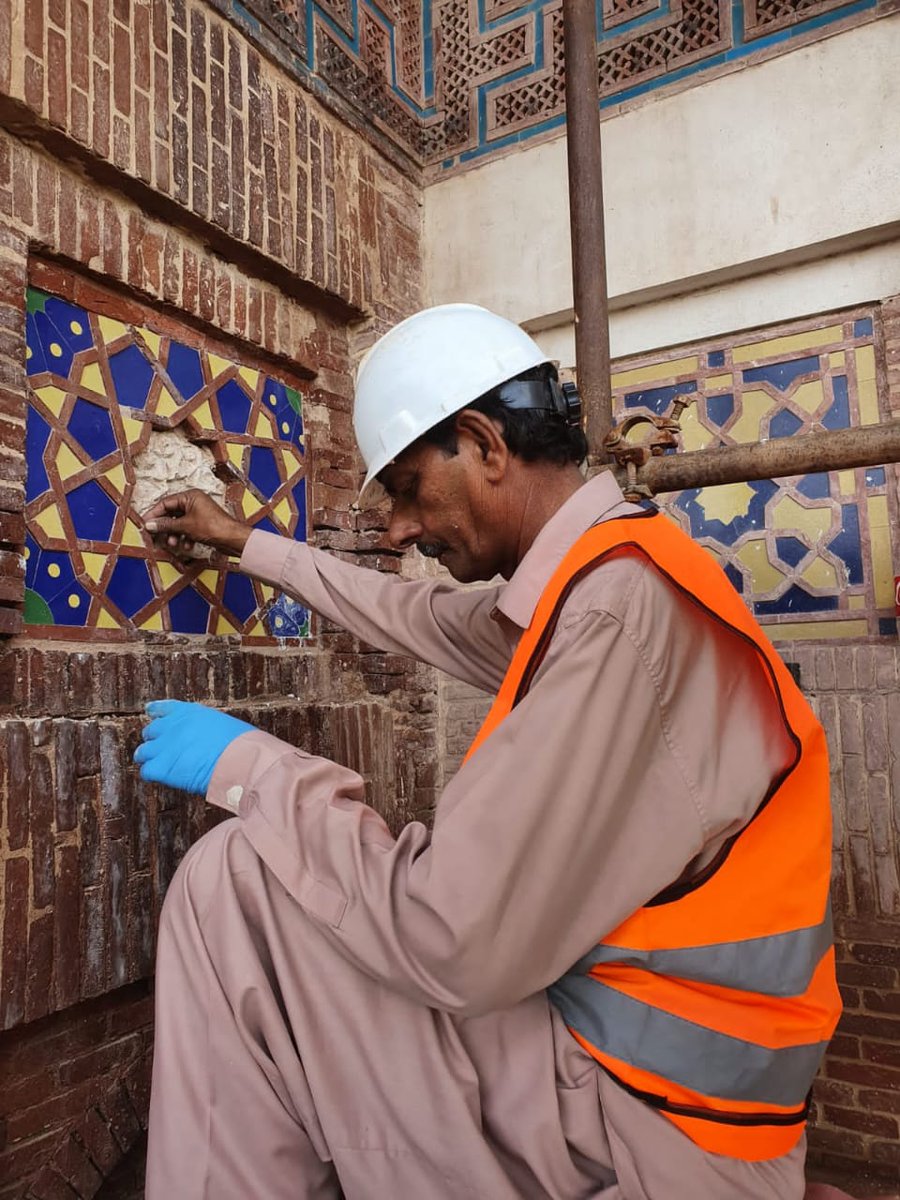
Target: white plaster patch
<point x="172" y="463"/>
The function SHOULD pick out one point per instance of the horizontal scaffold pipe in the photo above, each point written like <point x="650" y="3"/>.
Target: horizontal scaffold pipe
<point x="871" y="445"/>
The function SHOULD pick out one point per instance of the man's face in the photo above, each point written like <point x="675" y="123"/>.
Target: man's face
<point x="443" y="504"/>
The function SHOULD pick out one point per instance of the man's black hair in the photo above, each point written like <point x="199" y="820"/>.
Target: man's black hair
<point x="535" y="435"/>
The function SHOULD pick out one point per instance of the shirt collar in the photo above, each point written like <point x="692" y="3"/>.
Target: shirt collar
<point x="598" y="500"/>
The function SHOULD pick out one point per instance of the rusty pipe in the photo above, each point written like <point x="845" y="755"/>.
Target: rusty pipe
<point x="870" y="445"/>
<point x="586" y="223"/>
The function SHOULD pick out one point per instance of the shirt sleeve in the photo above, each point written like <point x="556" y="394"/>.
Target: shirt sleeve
<point x="448" y="627"/>
<point x="572" y="814"/>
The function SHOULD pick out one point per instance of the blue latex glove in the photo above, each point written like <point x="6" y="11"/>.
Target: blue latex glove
<point x="183" y="742"/>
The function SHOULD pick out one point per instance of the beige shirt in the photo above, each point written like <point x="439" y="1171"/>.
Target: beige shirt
<point x="649" y="735"/>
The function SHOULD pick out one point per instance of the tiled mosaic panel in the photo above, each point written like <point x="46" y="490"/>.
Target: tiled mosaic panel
<point x="452" y="80"/>
<point x="98" y="388"/>
<point x="811" y="555"/>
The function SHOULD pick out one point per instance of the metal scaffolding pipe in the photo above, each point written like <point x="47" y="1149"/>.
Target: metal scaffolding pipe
<point x="586" y="222"/>
<point x="871" y="445"/>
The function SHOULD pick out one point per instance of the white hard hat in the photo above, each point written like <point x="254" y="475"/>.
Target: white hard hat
<point x="431" y="365"/>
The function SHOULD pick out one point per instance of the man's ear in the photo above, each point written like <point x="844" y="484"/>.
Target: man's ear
<point x="486" y="436"/>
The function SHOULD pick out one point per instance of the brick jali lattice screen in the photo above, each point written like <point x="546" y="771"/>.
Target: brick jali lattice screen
<point x="100" y="387"/>
<point x="450" y="80"/>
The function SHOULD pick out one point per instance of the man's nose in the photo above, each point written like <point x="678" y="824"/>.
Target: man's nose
<point x="403" y="530"/>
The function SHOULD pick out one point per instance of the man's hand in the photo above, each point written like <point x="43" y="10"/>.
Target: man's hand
<point x="183" y="742"/>
<point x="184" y="518"/>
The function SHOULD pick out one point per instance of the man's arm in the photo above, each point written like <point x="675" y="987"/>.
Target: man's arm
<point x="450" y="628"/>
<point x="579" y="808"/>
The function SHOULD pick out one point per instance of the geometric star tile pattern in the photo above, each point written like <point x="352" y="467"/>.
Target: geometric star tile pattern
<point x="98" y="387"/>
<point x="811" y="555"/>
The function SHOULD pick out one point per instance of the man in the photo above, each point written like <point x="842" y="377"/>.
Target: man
<point x="608" y="970"/>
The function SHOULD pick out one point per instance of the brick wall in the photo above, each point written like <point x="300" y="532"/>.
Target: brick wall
<point x="151" y="149"/>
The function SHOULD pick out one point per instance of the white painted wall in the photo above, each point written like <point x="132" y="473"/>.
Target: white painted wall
<point x="765" y="194"/>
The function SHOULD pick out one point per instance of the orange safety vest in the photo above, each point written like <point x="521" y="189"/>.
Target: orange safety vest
<point x="714" y="1002"/>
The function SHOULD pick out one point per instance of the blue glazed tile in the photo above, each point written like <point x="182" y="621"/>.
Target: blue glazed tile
<point x="838" y="415"/>
<point x="268" y="525"/>
<point x="846" y="545"/>
<point x="286" y="408"/>
<point x="736" y="577"/>
<point x="91" y="425"/>
<point x="132" y="376"/>
<point x="815" y="487"/>
<point x="37" y="361"/>
<point x="728" y="533"/>
<point x="239" y="596"/>
<point x="189" y="612"/>
<point x="130" y="586"/>
<point x="93" y="513"/>
<point x="660" y="399"/>
<point x="795" y="600"/>
<point x="53" y="574"/>
<point x="715" y="358"/>
<point x="33" y="561"/>
<point x="862" y="327"/>
<point x="791" y="550"/>
<point x="37" y="434"/>
<point x="234" y="407"/>
<point x="71" y="323"/>
<point x="287" y="618"/>
<point x="263" y="471"/>
<point x="719" y="408"/>
<point x="784" y="423"/>
<point x="71" y="606"/>
<point x="875" y="477"/>
<point x="185" y="370"/>
<point x="58" y="353"/>
<point x="782" y="375"/>
<point x="299" y="493"/>
<point x="887" y="626"/>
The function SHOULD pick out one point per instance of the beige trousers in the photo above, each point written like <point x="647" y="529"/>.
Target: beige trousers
<point x="282" y="1072"/>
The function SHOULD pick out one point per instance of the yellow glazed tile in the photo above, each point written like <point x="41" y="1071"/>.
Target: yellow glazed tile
<point x="856" y="601"/>
<point x="865" y="362"/>
<point x="263" y="427"/>
<point x="653" y="372"/>
<point x="131" y="535"/>
<point x="133" y="429"/>
<point x="809" y="395"/>
<point x="154" y="621"/>
<point x="714" y="383"/>
<point x="283" y="514"/>
<point x="223" y="625"/>
<point x="837" y="359"/>
<point x="788" y="514"/>
<point x="66" y="462"/>
<point x="267" y="592"/>
<point x="152" y="340"/>
<point x="725" y="502"/>
<point x="257" y="630"/>
<point x="756" y="406"/>
<point x="169" y="573"/>
<point x="166" y="404"/>
<point x="765" y="578"/>
<point x="105" y="620"/>
<point x="92" y="379"/>
<point x="797" y="631"/>
<point x="116" y="476"/>
<point x="94" y="565"/>
<point x="880" y="548"/>
<point x="209" y="579"/>
<point x="250" y="377"/>
<point x="790" y="345"/>
<point x="49" y="521"/>
<point x="217" y="365"/>
<point x="203" y="416"/>
<point x="847" y="482"/>
<point x="53" y="398"/>
<point x="694" y="434"/>
<point x="235" y="452"/>
<point x="111" y="329"/>
<point x="821" y="574"/>
<point x="878" y="512"/>
<point x="868" y="402"/>
<point x="249" y="503"/>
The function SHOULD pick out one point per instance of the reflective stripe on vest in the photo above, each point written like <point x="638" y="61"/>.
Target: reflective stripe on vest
<point x="715" y="1001"/>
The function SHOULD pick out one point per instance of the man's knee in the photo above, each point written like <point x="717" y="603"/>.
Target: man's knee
<point x="200" y="874"/>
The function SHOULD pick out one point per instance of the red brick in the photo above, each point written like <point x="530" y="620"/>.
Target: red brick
<point x="180" y="169"/>
<point x="40" y="966"/>
<point x="5" y="45"/>
<point x="143" y="146"/>
<point x="74" y="1164"/>
<point x="15" y="939"/>
<point x="862" y="1122"/>
<point x="57" y="77"/>
<point x="122" y="70"/>
<point x="34" y="27"/>
<point x="67" y="912"/>
<point x="42" y="813"/>
<point x="51" y="1186"/>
